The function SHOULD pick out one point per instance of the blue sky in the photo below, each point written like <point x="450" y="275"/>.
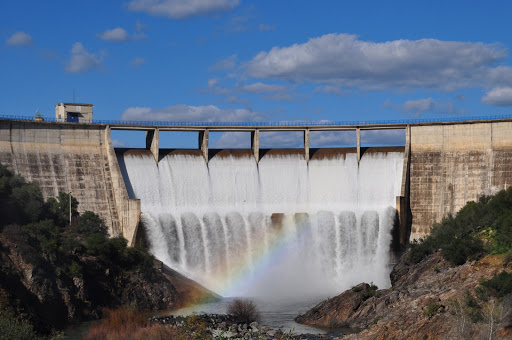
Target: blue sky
<point x="239" y="60"/>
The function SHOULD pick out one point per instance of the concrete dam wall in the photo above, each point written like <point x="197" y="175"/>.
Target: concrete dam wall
<point x="451" y="164"/>
<point x="66" y="157"/>
<point x="445" y="165"/>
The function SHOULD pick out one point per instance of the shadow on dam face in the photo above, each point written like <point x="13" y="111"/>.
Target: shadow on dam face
<point x="315" y="153"/>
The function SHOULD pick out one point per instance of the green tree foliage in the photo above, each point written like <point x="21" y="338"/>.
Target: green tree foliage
<point x="57" y="249"/>
<point x="90" y="223"/>
<point x="13" y="325"/>
<point x="57" y="208"/>
<point x="461" y="238"/>
<point x="20" y="202"/>
<point x="498" y="286"/>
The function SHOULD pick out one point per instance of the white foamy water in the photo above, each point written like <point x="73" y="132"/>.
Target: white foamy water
<point x="330" y="229"/>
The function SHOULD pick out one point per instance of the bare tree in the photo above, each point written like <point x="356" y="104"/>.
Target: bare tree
<point x="495" y="314"/>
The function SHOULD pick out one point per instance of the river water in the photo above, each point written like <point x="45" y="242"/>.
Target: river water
<point x="275" y="314"/>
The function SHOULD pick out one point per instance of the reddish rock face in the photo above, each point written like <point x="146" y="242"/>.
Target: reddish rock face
<point x="424" y="301"/>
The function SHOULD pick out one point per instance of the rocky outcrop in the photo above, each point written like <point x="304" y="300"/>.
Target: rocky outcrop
<point x="50" y="300"/>
<point x="427" y="300"/>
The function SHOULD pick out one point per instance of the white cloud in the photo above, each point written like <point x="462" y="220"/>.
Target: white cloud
<point x="263" y="27"/>
<point x="233" y="140"/>
<point x="346" y="61"/>
<point x="225" y="64"/>
<point x="420" y="106"/>
<point x="237" y="100"/>
<point x="81" y="60"/>
<point x="501" y="96"/>
<point x="500" y="76"/>
<point x="208" y="113"/>
<point x="19" y="39"/>
<point x="140" y="26"/>
<point x="461" y="97"/>
<point x="383" y="137"/>
<point x="332" y="138"/>
<point x="181" y="9"/>
<point x="212" y="82"/>
<point x="137" y="61"/>
<point x="272" y="140"/>
<point x="329" y="89"/>
<point x="116" y="143"/>
<point x="262" y="88"/>
<point x="119" y="34"/>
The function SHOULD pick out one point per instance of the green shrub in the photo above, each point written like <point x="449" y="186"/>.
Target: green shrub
<point x="90" y="223"/>
<point x="57" y="209"/>
<point x="460" y="238"/>
<point x="431" y="309"/>
<point x="498" y="286"/>
<point x="472" y="308"/>
<point x="75" y="269"/>
<point x="459" y="250"/>
<point x="503" y="227"/>
<point x="420" y="249"/>
<point x="29" y="202"/>
<point x="357" y="289"/>
<point x="13" y="325"/>
<point x="97" y="244"/>
<point x="14" y="329"/>
<point x="70" y="246"/>
<point x="368" y="291"/>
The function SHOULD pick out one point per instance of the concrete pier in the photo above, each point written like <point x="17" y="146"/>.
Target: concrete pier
<point x="358" y="141"/>
<point x="255" y="144"/>
<point x="203" y="143"/>
<point x="152" y="142"/>
<point x="306" y="145"/>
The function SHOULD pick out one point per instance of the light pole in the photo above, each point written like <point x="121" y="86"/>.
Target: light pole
<point x="70" y="208"/>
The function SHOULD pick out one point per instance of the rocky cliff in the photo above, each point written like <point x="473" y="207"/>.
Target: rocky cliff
<point x="52" y="300"/>
<point x="428" y="300"/>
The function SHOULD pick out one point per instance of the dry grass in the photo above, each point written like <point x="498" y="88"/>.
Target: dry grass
<point x="127" y="324"/>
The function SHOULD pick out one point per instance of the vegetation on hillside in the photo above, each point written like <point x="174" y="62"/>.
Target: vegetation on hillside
<point x="479" y="228"/>
<point x="68" y="263"/>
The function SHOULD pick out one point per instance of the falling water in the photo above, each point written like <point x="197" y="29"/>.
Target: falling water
<point x="278" y="228"/>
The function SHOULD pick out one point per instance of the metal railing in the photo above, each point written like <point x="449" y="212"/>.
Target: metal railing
<point x="274" y="124"/>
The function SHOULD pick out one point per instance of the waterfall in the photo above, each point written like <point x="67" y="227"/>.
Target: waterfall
<point x="280" y="228"/>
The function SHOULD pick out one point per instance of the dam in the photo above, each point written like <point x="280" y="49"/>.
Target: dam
<point x="222" y="215"/>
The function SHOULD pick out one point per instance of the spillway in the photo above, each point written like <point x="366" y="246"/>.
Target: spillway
<point x="279" y="228"/>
